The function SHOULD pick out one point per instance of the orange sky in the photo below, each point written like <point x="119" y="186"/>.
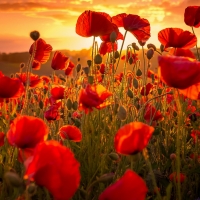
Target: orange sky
<point x="56" y="20"/>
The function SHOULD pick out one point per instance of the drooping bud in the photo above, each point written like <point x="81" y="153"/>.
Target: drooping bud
<point x="134" y="45"/>
<point x="150" y="53"/>
<point x="114" y="156"/>
<point x="75" y="105"/>
<point x="98" y="59"/>
<point x="130" y="60"/>
<point x="86" y="70"/>
<point x="139" y="72"/>
<point x="106" y="177"/>
<point x="151" y="46"/>
<point x="22" y="65"/>
<point x="89" y="62"/>
<point x="34" y="35"/>
<point x="142" y="43"/>
<point x="113" y="37"/>
<point x="69" y="104"/>
<point x="130" y="93"/>
<point x="172" y="156"/>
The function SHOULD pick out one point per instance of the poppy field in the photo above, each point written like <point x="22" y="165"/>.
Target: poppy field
<point x="99" y="134"/>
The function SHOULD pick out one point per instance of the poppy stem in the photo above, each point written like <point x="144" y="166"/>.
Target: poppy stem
<point x="121" y="51"/>
<point x="145" y="77"/>
<point x="196" y="46"/>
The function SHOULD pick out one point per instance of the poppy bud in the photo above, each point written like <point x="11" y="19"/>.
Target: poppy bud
<point x="113" y="37"/>
<point x="13" y="179"/>
<point x="139" y="72"/>
<point x="69" y="104"/>
<point x="98" y="59"/>
<point x="41" y="104"/>
<point x="130" y="93"/>
<point x="32" y="188"/>
<point x="122" y="113"/>
<point x="78" y="68"/>
<point x="75" y="105"/>
<point x="151" y="46"/>
<point x="172" y="156"/>
<point x="106" y="177"/>
<point x="86" y="70"/>
<point x="22" y="65"/>
<point x="150" y="53"/>
<point x="130" y="60"/>
<point x="135" y="47"/>
<point x="34" y="35"/>
<point x="89" y="62"/>
<point x="79" y="59"/>
<point x="116" y="54"/>
<point x="114" y="156"/>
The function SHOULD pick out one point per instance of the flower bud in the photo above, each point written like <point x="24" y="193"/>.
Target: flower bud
<point x="139" y="72"/>
<point x="32" y="188"/>
<point x="78" y="68"/>
<point x="89" y="62"/>
<point x="114" y="156"/>
<point x="34" y="35"/>
<point x="69" y="104"/>
<point x="22" y="65"/>
<point x="130" y="93"/>
<point x="106" y="177"/>
<point x="150" y="53"/>
<point x="151" y="46"/>
<point x="98" y="59"/>
<point x="113" y="37"/>
<point x="142" y="43"/>
<point x="86" y="70"/>
<point x="134" y="45"/>
<point x="90" y="79"/>
<point x="172" y="156"/>
<point x="130" y="60"/>
<point x="122" y="113"/>
<point x="75" y="105"/>
<point x="116" y="54"/>
<point x="13" y="179"/>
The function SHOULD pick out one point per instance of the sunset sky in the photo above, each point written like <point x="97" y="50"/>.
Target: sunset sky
<point x="56" y="20"/>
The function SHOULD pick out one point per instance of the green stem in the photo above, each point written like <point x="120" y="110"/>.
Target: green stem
<point x="196" y="46"/>
<point x="121" y="51"/>
<point x="93" y="45"/>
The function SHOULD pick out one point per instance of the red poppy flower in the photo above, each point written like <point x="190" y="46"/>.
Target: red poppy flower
<point x="107" y="47"/>
<point x="43" y="50"/>
<point x="182" y="52"/>
<point x="177" y="38"/>
<point x="57" y="92"/>
<point x="59" y="61"/>
<point x="46" y="79"/>
<point x="52" y="113"/>
<point x="54" y="167"/>
<point x="151" y="114"/>
<point x="179" y="72"/>
<point x="70" y="132"/>
<point x="92" y="96"/>
<point x="10" y="88"/>
<point x="130" y="186"/>
<point x="2" y="136"/>
<point x="195" y="134"/>
<point x="69" y="69"/>
<point x="138" y="26"/>
<point x="132" y="138"/>
<point x="27" y="132"/>
<point x="173" y="176"/>
<point x="34" y="80"/>
<point x="92" y="23"/>
<point x="192" y="16"/>
<point x="102" y="68"/>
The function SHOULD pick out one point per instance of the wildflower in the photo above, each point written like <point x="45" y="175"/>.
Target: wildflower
<point x="177" y="38"/>
<point x="136" y="25"/>
<point x="192" y="16"/>
<point x="57" y="92"/>
<point x="54" y="167"/>
<point x="152" y="114"/>
<point x="107" y="47"/>
<point x="70" y="132"/>
<point x="146" y="89"/>
<point x="69" y="69"/>
<point x="129" y="186"/>
<point x="173" y="176"/>
<point x="59" y="61"/>
<point x="52" y="113"/>
<point x="11" y="88"/>
<point x="179" y="72"/>
<point x="132" y="138"/>
<point x="27" y="132"/>
<point x="92" y="23"/>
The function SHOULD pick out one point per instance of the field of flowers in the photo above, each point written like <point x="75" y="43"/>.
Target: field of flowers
<point x="102" y="135"/>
